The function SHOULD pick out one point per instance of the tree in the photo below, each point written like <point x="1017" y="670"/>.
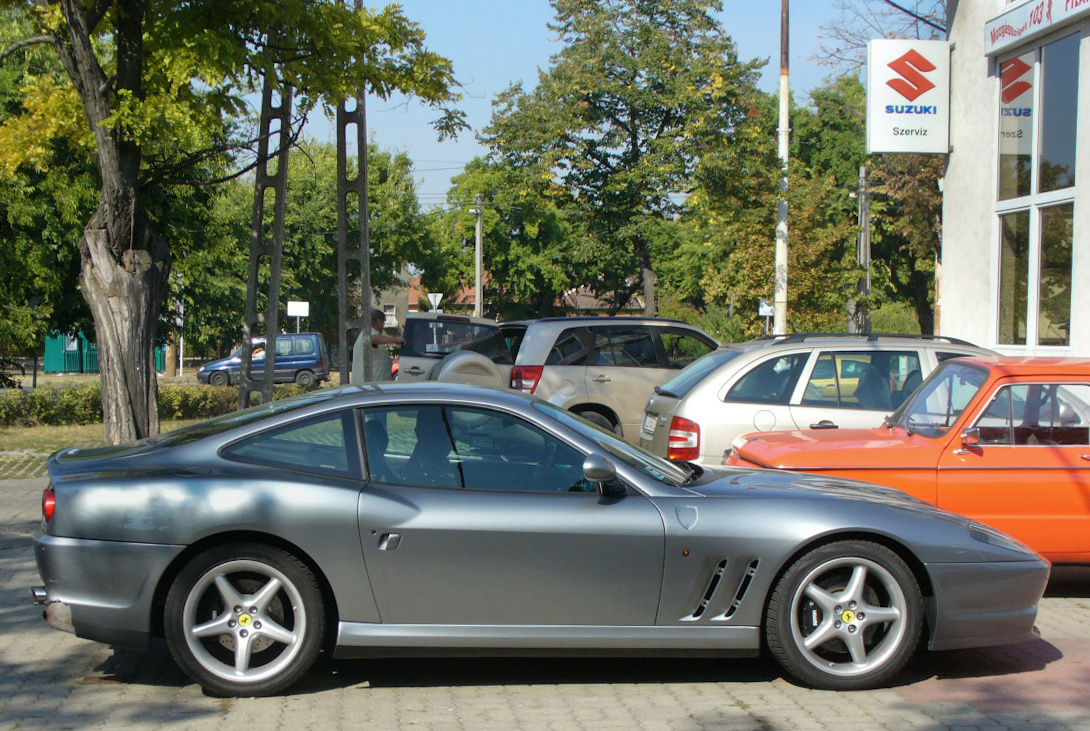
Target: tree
<point x="533" y="250"/>
<point x="844" y="41"/>
<point x="160" y="88"/>
<point x="214" y="271"/>
<point x="641" y="90"/>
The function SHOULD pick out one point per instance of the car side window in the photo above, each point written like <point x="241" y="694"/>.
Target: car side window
<point x="682" y="348"/>
<point x="625" y="346"/>
<point x="325" y="445"/>
<point x="1037" y="414"/>
<point x="304" y="346"/>
<point x="283" y="346"/>
<point x="769" y="382"/>
<point x="574" y="346"/>
<point x="474" y="449"/>
<point x="873" y="380"/>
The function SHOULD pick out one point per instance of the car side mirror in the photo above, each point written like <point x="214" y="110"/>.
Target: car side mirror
<point x="600" y="471"/>
<point x="970" y="437"/>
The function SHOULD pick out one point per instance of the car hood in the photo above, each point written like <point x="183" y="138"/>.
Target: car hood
<point x="213" y="365"/>
<point x="822" y="449"/>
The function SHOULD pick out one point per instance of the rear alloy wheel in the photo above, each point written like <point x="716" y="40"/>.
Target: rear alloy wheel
<point x="245" y="620"/>
<point x="845" y="616"/>
<point x="304" y="378"/>
<point x="219" y="378"/>
<point x="595" y="418"/>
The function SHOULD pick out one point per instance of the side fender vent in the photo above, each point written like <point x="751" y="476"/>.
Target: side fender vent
<point x="713" y="584"/>
<point x="743" y="587"/>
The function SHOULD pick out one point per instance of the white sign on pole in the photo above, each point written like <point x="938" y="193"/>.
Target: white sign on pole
<point x="298" y="309"/>
<point x="435" y="298"/>
<point x="908" y="96"/>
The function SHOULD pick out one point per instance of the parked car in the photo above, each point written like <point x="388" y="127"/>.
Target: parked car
<point x="791" y="382"/>
<point x="602" y="368"/>
<point x="408" y="518"/>
<point x="431" y="336"/>
<point x="300" y="358"/>
<point x="1005" y="441"/>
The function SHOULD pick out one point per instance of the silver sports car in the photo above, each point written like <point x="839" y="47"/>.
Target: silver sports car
<point x="443" y="519"/>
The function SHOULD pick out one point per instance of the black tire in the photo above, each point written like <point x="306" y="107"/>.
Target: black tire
<point x="865" y="603"/>
<point x="595" y="418"/>
<point x="304" y="378"/>
<point x="219" y="378"/>
<point x="230" y="639"/>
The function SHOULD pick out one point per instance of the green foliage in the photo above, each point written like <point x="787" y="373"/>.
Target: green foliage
<point x="638" y="95"/>
<point x="83" y="404"/>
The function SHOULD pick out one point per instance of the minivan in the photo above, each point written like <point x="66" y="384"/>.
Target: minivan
<point x="300" y="358"/>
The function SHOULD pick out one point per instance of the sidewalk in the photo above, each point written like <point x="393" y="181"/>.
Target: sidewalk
<point x="52" y="680"/>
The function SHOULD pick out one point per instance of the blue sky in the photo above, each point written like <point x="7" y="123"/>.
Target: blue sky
<point x="494" y="43"/>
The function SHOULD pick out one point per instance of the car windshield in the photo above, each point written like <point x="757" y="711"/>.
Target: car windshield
<point x="646" y="463"/>
<point x="692" y="374"/>
<point x="941" y="399"/>
<point x="220" y="424"/>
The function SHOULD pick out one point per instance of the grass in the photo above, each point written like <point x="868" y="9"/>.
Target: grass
<point x="23" y="450"/>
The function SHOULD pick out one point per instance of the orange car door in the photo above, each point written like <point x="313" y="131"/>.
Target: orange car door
<point x="1024" y="468"/>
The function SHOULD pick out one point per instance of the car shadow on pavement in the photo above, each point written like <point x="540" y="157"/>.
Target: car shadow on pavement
<point x="457" y="672"/>
<point x="985" y="662"/>
<point x="1069" y="581"/>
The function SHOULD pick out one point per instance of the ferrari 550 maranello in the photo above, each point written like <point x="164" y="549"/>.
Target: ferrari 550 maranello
<point x="400" y="520"/>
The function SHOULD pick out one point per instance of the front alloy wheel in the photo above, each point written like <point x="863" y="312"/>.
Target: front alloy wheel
<point x="245" y="620"/>
<point x="846" y="616"/>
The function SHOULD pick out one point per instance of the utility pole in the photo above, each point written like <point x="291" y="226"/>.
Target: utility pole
<point x="861" y="321"/>
<point x="780" y="302"/>
<point x="478" y="300"/>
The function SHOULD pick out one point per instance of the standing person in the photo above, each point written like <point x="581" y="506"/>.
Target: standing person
<point x="381" y="365"/>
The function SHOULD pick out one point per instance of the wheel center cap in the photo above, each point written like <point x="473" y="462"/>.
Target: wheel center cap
<point x="848" y="616"/>
<point x="245" y="620"/>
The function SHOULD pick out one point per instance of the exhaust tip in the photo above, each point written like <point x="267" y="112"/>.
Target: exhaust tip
<point x="38" y="592"/>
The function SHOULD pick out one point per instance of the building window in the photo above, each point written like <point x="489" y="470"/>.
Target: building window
<point x="1038" y="118"/>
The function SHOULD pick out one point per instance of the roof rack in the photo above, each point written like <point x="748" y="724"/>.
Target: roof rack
<point x="870" y="337"/>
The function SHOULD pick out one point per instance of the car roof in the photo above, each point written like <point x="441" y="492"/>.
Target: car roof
<point x="599" y="319"/>
<point x="1025" y="365"/>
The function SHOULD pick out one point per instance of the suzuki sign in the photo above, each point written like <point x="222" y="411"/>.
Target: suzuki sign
<point x="908" y="96"/>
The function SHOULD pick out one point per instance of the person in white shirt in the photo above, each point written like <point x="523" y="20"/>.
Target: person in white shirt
<point x="381" y="364"/>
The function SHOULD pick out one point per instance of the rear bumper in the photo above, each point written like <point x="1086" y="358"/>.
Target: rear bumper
<point x="983" y="604"/>
<point x="100" y="590"/>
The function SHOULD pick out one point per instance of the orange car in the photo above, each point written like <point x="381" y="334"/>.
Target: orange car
<point x="1003" y="440"/>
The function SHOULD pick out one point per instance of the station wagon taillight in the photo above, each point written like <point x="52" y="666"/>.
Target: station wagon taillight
<point x="526" y="378"/>
<point x="49" y="503"/>
<point x="684" y="439"/>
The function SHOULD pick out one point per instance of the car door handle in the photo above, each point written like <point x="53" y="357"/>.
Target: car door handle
<point x="601" y="378"/>
<point x="389" y="541"/>
<point x="1085" y="456"/>
<point x="824" y="424"/>
<point x="414" y="370"/>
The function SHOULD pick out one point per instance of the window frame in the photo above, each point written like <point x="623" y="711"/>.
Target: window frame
<point x="1035" y="202"/>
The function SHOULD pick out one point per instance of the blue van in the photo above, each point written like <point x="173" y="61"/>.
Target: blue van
<point x="300" y="358"/>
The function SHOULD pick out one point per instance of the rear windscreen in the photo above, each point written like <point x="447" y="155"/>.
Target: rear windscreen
<point x="692" y="374"/>
<point x="437" y="338"/>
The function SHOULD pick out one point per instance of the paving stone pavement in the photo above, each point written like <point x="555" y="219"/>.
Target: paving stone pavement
<point x="52" y="680"/>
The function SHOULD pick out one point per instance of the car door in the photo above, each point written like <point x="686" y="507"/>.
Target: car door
<point x="760" y="398"/>
<point x="624" y="371"/>
<point x="476" y="516"/>
<point x="1025" y="469"/>
<point x="853" y="389"/>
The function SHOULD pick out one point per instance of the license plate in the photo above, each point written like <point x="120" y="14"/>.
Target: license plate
<point x="649" y="423"/>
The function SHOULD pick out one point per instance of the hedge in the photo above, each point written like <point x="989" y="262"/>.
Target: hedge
<point x="83" y="404"/>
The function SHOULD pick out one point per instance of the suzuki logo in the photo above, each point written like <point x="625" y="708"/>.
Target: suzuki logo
<point x="1009" y="75"/>
<point x="911" y="67"/>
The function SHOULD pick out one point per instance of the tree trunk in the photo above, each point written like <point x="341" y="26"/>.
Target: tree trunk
<point x="123" y="284"/>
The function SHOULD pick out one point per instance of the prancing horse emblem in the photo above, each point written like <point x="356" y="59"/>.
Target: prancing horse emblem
<point x="686" y="516"/>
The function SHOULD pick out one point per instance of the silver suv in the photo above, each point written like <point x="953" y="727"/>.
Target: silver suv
<point x="603" y="368"/>
<point x="788" y="382"/>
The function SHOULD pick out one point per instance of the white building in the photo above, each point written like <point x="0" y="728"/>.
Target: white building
<point x="1017" y="188"/>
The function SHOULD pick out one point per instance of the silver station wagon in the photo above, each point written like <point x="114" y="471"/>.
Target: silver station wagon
<point x="407" y="519"/>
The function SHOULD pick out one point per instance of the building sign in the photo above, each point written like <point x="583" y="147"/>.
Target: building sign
<point x="908" y="96"/>
<point x="1028" y="20"/>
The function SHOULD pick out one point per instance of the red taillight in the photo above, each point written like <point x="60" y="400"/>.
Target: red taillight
<point x="684" y="439"/>
<point x="526" y="378"/>
<point x="49" y="503"/>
